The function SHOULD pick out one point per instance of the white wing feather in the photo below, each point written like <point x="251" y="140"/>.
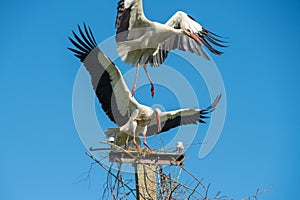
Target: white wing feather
<point x="181" y="112"/>
<point x="184" y="21"/>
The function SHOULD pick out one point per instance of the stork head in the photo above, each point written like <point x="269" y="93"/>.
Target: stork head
<point x="189" y="33"/>
<point x="157" y="112"/>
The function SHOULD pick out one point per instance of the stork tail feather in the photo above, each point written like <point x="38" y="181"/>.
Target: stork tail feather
<point x="121" y="138"/>
<point x="112" y="132"/>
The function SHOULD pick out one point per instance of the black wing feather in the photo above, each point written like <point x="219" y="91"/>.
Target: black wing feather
<point x="122" y="21"/>
<point x="76" y="51"/>
<point x="185" y="120"/>
<point x="87" y="41"/>
<point x="87" y="51"/>
<point x="90" y="39"/>
<point x="86" y="47"/>
<point x="205" y="35"/>
<point x="92" y="36"/>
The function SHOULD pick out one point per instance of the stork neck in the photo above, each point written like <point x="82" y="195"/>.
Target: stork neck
<point x="179" y="31"/>
<point x="140" y="3"/>
<point x="140" y="9"/>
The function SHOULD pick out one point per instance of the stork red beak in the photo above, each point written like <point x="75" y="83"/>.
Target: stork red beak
<point x="194" y="37"/>
<point x="158" y="123"/>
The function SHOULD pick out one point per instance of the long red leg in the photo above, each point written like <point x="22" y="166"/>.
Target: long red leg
<point x="134" y="131"/>
<point x="135" y="143"/>
<point x="149" y="78"/>
<point x="135" y="80"/>
<point x="145" y="141"/>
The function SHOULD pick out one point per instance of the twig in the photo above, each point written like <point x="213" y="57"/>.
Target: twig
<point x="173" y="190"/>
<point x="258" y="193"/>
<point x="101" y="165"/>
<point x="88" y="176"/>
<point x="195" y="177"/>
<point x="193" y="191"/>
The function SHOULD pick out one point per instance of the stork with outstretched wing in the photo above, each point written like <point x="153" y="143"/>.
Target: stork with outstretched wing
<point x="141" y="41"/>
<point x="117" y="102"/>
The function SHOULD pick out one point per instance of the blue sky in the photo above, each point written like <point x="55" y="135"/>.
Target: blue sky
<point x="41" y="154"/>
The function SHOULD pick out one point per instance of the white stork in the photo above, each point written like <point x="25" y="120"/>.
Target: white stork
<point x="141" y="41"/>
<point x="117" y="102"/>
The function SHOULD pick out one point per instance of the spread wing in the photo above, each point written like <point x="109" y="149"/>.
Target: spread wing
<point x="130" y="16"/>
<point x="108" y="83"/>
<point x="182" y="117"/>
<point x="184" y="21"/>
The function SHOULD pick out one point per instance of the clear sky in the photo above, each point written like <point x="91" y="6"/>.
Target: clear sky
<point x="42" y="156"/>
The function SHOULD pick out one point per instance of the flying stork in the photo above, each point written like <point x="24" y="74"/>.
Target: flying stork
<point x="141" y="41"/>
<point x="117" y="102"/>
